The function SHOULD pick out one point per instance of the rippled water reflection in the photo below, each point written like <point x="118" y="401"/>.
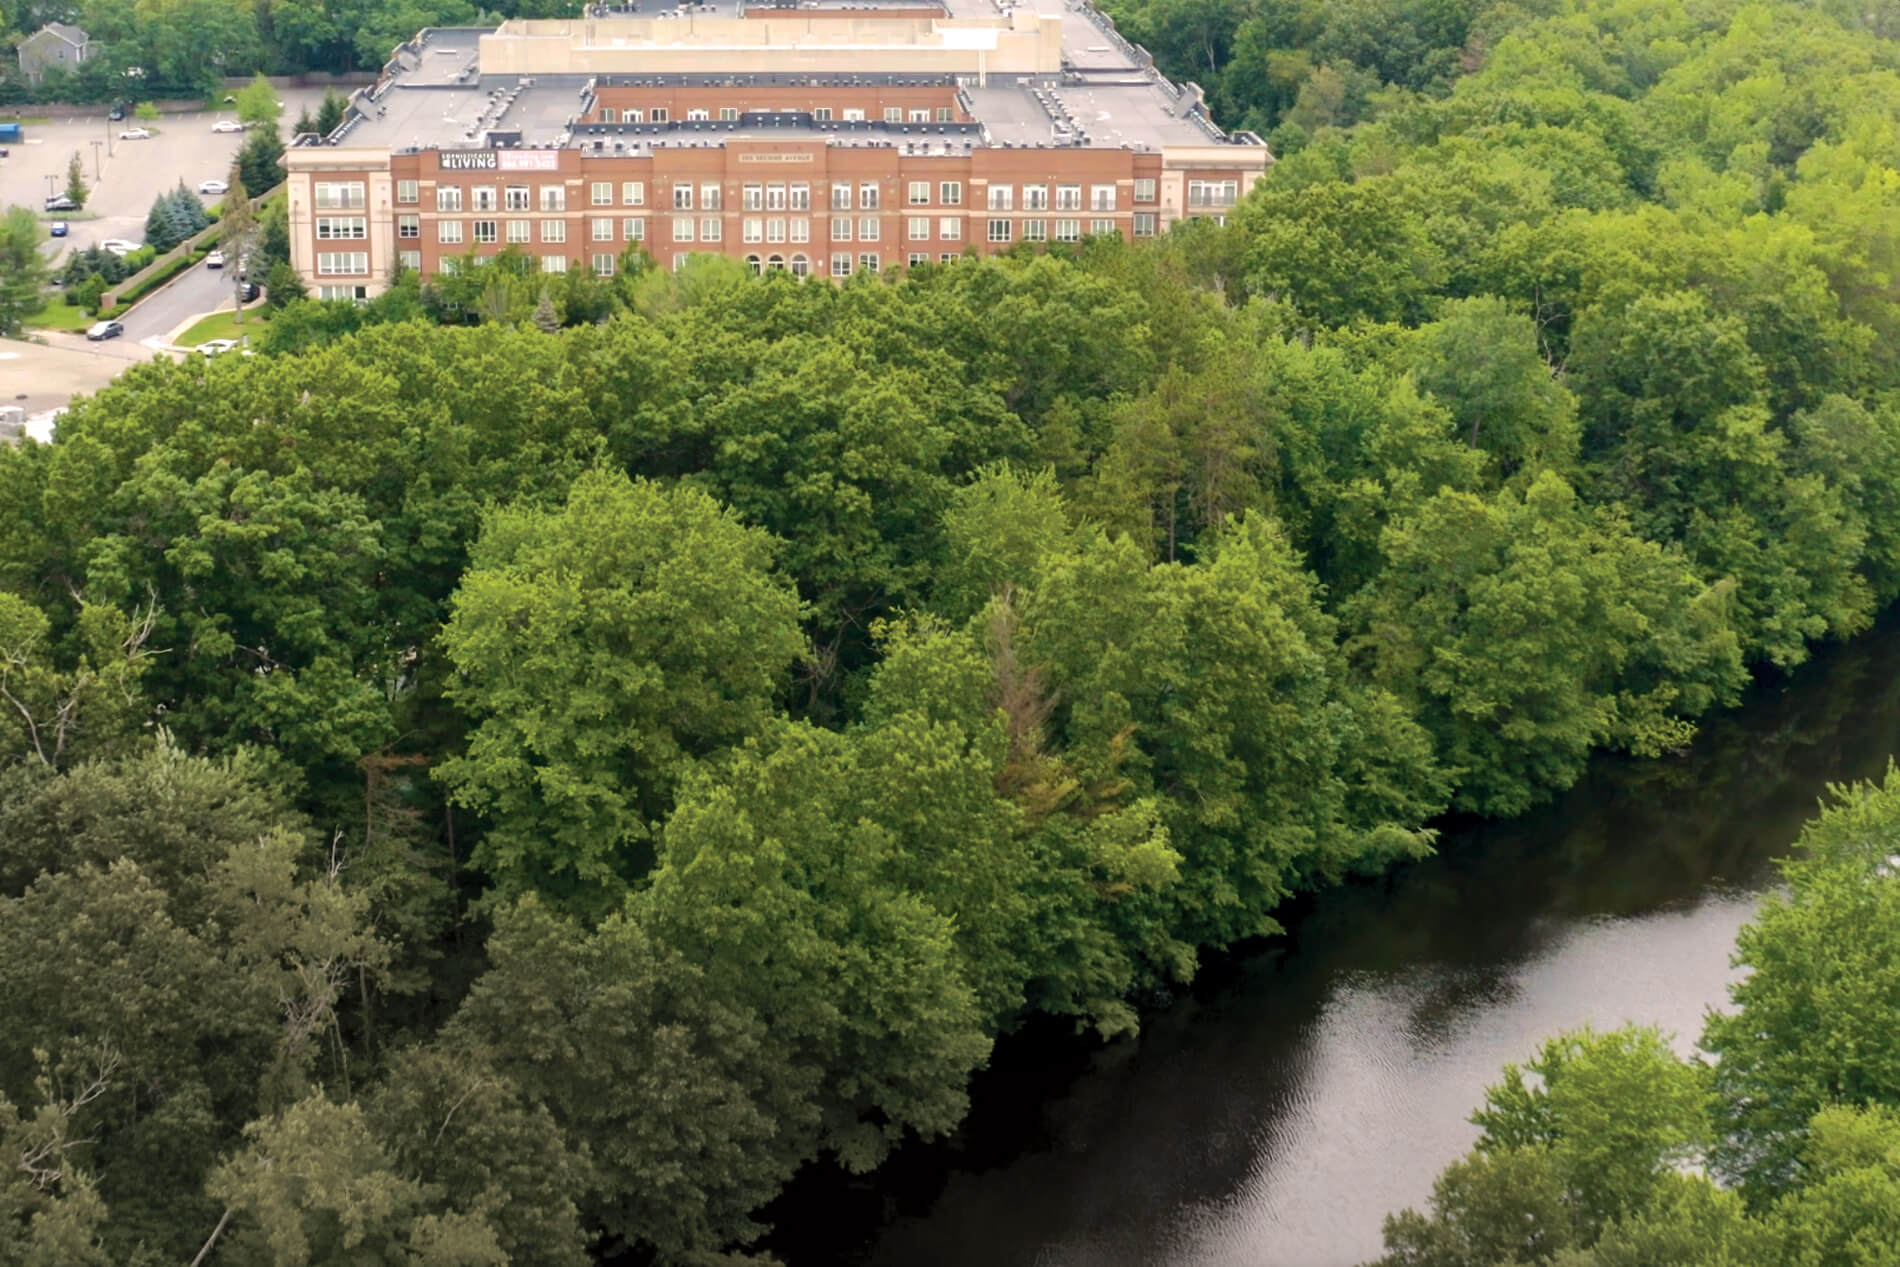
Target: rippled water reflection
<point x="1273" y="1116"/>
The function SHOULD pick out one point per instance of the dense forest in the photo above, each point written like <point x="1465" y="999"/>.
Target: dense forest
<point x="163" y="48"/>
<point x="521" y="767"/>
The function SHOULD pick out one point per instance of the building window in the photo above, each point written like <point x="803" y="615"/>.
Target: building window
<point x="950" y="228"/>
<point x="448" y="197"/>
<point x="841" y="228"/>
<point x="821" y="114"/>
<point x="867" y="229"/>
<point x="632" y="116"/>
<point x="339" y="195"/>
<point x="710" y="229"/>
<point x="517" y="198"/>
<point x="554" y="230"/>
<point x="633" y="193"/>
<point x="1068" y="230"/>
<point x="684" y="228"/>
<point x="950" y="193"/>
<point x="752" y="264"/>
<point x="709" y="197"/>
<point x="867" y="263"/>
<point x="347" y="294"/>
<point x="1101" y="197"/>
<point x="893" y="114"/>
<point x="775" y="229"/>
<point x="601" y="193"/>
<point x="342" y="263"/>
<point x="1068" y="197"/>
<point x="682" y="197"/>
<point x="920" y="116"/>
<point x="355" y="227"/>
<point x="801" y="229"/>
<point x="867" y="196"/>
<point x="948" y="257"/>
<point x="448" y="232"/>
<point x="660" y="115"/>
<point x="1035" y="230"/>
<point x="853" y="116"/>
<point x="485" y="231"/>
<point x="919" y="257"/>
<point x="603" y="265"/>
<point x="519" y="230"/>
<point x="752" y="198"/>
<point x="634" y="228"/>
<point x="408" y="226"/>
<point x="1101" y="226"/>
<point x="484" y="196"/>
<point x="841" y="197"/>
<point x="411" y="260"/>
<point x="554" y="197"/>
<point x="946" y="115"/>
<point x="408" y="191"/>
<point x="1144" y="224"/>
<point x="919" y="193"/>
<point x="919" y="228"/>
<point x="1035" y="197"/>
<point x="1001" y="196"/>
<point x="841" y="263"/>
<point x="999" y="230"/>
<point x="699" y="116"/>
<point x="801" y="267"/>
<point x="1213" y="193"/>
<point x="800" y="196"/>
<point x="554" y="263"/>
<point x="752" y="229"/>
<point x="728" y="114"/>
<point x="1145" y="190"/>
<point x="602" y="229"/>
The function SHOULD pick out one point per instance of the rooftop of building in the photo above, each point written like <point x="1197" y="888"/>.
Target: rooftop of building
<point x="434" y="95"/>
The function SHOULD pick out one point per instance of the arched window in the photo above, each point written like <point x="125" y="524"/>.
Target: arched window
<point x="752" y="262"/>
<point x="800" y="266"/>
<point x="777" y="261"/>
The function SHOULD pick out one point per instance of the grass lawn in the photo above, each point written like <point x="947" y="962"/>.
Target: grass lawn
<point x="59" y="315"/>
<point x="223" y="325"/>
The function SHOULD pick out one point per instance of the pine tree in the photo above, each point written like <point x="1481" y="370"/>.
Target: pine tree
<point x="76" y="180"/>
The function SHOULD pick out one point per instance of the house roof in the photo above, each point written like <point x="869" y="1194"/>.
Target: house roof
<point x="66" y="31"/>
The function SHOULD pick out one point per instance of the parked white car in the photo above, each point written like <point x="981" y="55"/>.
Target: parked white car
<point x="214" y="187"/>
<point x="227" y="125"/>
<point x="118" y="246"/>
<point x="211" y="347"/>
<point x="135" y="134"/>
<point x="215" y="260"/>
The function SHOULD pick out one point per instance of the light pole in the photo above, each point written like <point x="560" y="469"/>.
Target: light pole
<point x="50" y="178"/>
<point x="95" y="160"/>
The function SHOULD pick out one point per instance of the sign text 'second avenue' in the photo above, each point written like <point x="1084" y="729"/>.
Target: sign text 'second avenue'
<point x="503" y="160"/>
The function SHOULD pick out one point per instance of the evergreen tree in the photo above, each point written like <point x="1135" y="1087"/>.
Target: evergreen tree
<point x="76" y="190"/>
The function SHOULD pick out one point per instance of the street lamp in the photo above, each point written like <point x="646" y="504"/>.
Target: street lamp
<point x="95" y="160"/>
<point x="50" y="178"/>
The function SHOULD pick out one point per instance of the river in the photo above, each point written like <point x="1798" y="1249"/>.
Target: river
<point x="1272" y="1115"/>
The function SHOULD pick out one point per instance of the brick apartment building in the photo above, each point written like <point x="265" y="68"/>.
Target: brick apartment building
<point x="825" y="138"/>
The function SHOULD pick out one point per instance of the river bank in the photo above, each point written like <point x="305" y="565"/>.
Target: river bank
<point x="1296" y="1094"/>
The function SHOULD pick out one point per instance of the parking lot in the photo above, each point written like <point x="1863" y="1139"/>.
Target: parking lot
<point x="129" y="173"/>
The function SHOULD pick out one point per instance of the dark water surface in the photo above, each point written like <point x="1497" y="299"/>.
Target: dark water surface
<point x="1272" y="1116"/>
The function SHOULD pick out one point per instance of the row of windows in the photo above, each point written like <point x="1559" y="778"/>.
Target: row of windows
<point x="1068" y="197"/>
<point x="1213" y="193"/>
<point x="823" y="114"/>
<point x="759" y="229"/>
<point x="772" y="195"/>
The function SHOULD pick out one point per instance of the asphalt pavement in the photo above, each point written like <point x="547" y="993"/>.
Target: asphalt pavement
<point x="125" y="176"/>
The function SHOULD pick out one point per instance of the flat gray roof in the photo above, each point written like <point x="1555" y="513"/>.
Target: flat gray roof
<point x="1109" y="95"/>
